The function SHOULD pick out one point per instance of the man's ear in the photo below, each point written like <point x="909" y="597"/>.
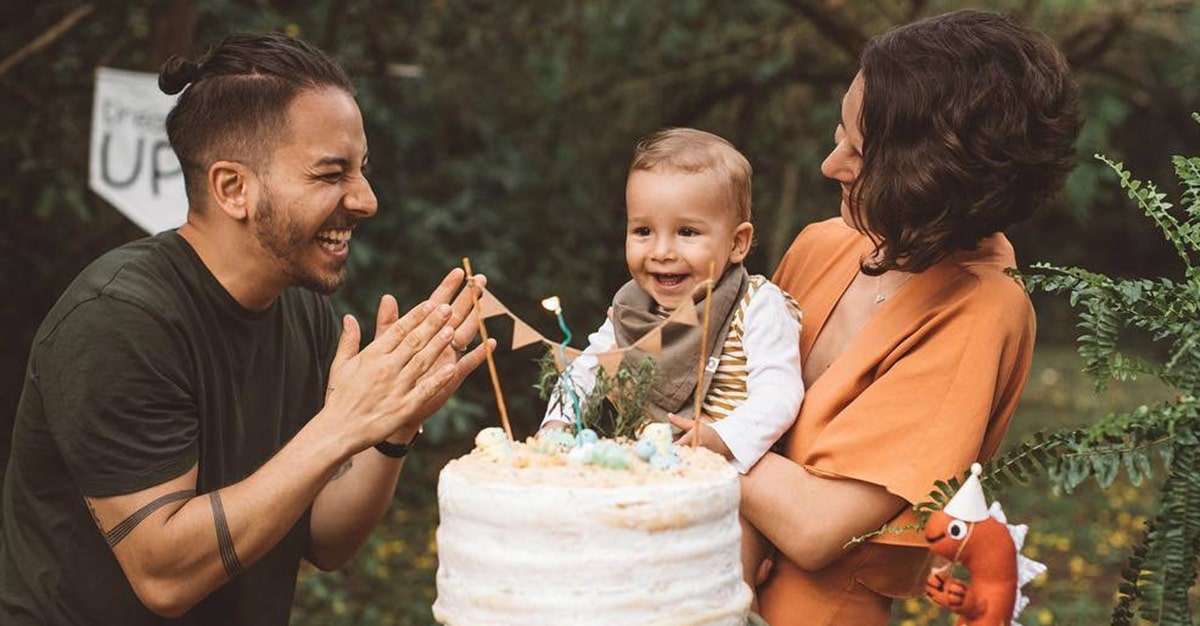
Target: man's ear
<point x="743" y="236"/>
<point x="233" y="187"/>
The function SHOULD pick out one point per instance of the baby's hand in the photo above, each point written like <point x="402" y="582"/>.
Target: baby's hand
<point x="708" y="436"/>
<point x="553" y="425"/>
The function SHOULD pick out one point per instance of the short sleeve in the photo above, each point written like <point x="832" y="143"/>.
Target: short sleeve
<point x="114" y="379"/>
<point x="939" y="401"/>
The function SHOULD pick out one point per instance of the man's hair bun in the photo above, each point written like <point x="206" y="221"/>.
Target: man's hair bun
<point x="176" y="73"/>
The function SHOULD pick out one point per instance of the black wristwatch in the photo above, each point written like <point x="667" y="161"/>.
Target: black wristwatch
<point x="398" y="450"/>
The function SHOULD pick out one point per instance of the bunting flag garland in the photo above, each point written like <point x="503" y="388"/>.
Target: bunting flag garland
<point x="610" y="361"/>
<point x="685" y="315"/>
<point x="524" y="334"/>
<point x="651" y="342"/>
<point x="489" y="306"/>
<point x="557" y="350"/>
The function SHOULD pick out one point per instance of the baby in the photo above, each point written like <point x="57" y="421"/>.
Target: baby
<point x="688" y="210"/>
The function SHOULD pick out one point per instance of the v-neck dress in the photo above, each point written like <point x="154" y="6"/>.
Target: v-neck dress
<point x="924" y="389"/>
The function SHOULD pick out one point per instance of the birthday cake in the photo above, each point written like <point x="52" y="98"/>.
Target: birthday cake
<point x="559" y="530"/>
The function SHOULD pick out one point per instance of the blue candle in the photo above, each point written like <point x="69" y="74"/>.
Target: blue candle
<point x="552" y="304"/>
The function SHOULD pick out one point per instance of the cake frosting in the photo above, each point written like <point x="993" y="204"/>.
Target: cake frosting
<point x="537" y="534"/>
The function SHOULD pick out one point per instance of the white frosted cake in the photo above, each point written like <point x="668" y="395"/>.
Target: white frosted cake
<point x="531" y="536"/>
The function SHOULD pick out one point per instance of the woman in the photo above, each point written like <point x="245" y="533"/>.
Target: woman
<point x="916" y="343"/>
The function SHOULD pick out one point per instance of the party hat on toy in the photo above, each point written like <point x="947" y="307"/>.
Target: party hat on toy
<point x="968" y="504"/>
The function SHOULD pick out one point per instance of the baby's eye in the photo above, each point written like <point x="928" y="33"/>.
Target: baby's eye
<point x="688" y="231"/>
<point x="640" y="231"/>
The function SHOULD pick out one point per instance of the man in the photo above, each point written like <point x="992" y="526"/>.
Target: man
<point x="191" y="426"/>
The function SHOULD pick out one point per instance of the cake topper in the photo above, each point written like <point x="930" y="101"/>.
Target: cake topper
<point x="703" y="360"/>
<point x="633" y="380"/>
<point x="475" y="291"/>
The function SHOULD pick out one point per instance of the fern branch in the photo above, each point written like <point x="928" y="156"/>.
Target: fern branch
<point x="1152" y="203"/>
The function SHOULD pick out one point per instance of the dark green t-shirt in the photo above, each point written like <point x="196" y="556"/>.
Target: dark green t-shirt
<point x="144" y="367"/>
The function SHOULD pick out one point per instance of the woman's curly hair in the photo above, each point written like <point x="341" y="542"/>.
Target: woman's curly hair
<point x="969" y="121"/>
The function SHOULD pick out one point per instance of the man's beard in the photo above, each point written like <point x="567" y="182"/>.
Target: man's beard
<point x="286" y="240"/>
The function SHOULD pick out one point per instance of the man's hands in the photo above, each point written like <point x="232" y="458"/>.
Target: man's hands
<point x="409" y="370"/>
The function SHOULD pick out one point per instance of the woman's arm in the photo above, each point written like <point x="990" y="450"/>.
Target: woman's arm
<point x="936" y="401"/>
<point x="818" y="516"/>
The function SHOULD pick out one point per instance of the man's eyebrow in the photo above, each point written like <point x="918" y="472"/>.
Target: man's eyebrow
<point x="332" y="160"/>
<point x="337" y="160"/>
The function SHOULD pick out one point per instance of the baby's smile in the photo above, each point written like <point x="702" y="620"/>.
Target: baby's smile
<point x="669" y="280"/>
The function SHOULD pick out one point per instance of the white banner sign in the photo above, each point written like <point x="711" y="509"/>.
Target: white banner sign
<point x="132" y="165"/>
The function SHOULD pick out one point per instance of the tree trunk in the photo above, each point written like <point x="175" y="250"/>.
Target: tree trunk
<point x="173" y="31"/>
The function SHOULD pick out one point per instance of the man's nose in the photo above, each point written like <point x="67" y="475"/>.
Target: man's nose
<point x="361" y="198"/>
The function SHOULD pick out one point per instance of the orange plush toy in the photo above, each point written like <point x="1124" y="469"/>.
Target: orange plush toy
<point x="967" y="531"/>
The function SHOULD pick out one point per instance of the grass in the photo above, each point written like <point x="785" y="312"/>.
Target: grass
<point x="1084" y="537"/>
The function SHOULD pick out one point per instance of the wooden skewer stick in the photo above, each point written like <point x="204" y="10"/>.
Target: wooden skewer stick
<point x="490" y="361"/>
<point x="699" y="395"/>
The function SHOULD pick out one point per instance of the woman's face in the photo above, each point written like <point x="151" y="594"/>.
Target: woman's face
<point x="845" y="160"/>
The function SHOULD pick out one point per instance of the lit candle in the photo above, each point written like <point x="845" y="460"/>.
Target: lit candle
<point x="552" y="304"/>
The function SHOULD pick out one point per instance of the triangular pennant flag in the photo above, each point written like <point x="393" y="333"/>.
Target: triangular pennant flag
<point x="651" y="342"/>
<point x="685" y="315"/>
<point x="610" y="361"/>
<point x="489" y="306"/>
<point x="557" y="350"/>
<point x="524" y="335"/>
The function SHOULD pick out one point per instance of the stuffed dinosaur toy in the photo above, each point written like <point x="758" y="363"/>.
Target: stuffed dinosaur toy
<point x="979" y="537"/>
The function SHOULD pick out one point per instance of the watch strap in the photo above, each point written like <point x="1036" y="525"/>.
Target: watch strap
<point x="397" y="450"/>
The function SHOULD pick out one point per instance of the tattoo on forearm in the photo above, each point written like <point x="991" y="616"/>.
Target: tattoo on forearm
<point x="224" y="539"/>
<point x="122" y="530"/>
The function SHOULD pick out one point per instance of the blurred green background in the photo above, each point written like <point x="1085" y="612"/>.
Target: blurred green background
<point x="502" y="130"/>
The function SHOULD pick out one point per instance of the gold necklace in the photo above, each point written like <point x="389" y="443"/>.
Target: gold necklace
<point x="880" y="296"/>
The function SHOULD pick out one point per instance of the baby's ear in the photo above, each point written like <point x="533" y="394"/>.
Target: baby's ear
<point x="743" y="236"/>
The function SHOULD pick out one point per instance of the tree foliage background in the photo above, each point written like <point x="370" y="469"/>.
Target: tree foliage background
<point x="502" y="130"/>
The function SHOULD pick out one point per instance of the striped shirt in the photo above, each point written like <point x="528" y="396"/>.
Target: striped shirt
<point x="728" y="389"/>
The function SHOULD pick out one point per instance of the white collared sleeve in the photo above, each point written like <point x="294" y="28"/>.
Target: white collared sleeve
<point x="774" y="387"/>
<point x="582" y="373"/>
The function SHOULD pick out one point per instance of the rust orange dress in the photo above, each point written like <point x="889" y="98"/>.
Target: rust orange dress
<point x="926" y="387"/>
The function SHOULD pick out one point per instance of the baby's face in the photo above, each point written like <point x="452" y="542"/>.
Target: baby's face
<point x="679" y="225"/>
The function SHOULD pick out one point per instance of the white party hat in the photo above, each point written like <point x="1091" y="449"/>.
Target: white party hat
<point x="968" y="504"/>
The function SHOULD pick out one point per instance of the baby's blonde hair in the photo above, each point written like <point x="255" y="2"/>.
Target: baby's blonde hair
<point x="695" y="152"/>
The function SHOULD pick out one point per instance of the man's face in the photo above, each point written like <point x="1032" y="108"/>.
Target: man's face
<point x="314" y="190"/>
